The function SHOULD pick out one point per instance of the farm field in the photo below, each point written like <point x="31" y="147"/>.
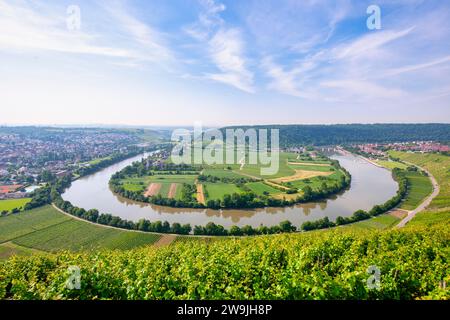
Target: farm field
<point x="260" y="188"/>
<point x="222" y="173"/>
<point x="254" y="170"/>
<point x="9" y="249"/>
<point x="8" y="205"/>
<point x="140" y="184"/>
<point x="420" y="188"/>
<point x="216" y="191"/>
<point x="439" y="167"/>
<point x="419" y="185"/>
<point x="438" y="212"/>
<point x="311" y="167"/>
<point x="316" y="182"/>
<point x="47" y="229"/>
<point x="288" y="266"/>
<point x="17" y="225"/>
<point x="293" y="173"/>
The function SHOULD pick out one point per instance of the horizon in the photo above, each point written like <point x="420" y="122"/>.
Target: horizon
<point x="154" y="127"/>
<point x="222" y="62"/>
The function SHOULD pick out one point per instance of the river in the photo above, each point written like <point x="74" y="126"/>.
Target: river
<point x="370" y="185"/>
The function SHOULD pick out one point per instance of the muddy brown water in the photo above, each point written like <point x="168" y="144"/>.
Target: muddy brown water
<point x="370" y="185"/>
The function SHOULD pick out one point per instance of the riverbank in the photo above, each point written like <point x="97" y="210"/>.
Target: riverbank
<point x="359" y="196"/>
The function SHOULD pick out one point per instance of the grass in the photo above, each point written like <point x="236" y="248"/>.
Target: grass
<point x="47" y="229"/>
<point x="98" y="160"/>
<point x="316" y="182"/>
<point x="439" y="167"/>
<point x="311" y="167"/>
<point x="216" y="191"/>
<point x="140" y="184"/>
<point x="173" y="178"/>
<point x="8" y="205"/>
<point x="420" y="188"/>
<point x="17" y="225"/>
<point x="164" y="190"/>
<point x="10" y="249"/>
<point x="391" y="164"/>
<point x="254" y="170"/>
<point x="221" y="173"/>
<point x="381" y="222"/>
<point x="427" y="217"/>
<point x="420" y="185"/>
<point x="259" y="188"/>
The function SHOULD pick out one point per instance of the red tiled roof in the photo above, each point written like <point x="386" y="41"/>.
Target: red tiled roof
<point x="9" y="188"/>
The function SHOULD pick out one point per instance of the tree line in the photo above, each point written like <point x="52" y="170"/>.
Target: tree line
<point x="319" y="135"/>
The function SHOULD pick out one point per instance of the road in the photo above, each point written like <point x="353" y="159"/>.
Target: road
<point x="425" y="203"/>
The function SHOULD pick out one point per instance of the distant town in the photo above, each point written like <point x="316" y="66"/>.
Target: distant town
<point x="378" y="150"/>
<point x="32" y="156"/>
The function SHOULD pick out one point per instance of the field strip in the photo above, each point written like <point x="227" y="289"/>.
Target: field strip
<point x="310" y="164"/>
<point x="276" y="185"/>
<point x="152" y="189"/>
<point x="302" y="174"/>
<point x="286" y="196"/>
<point x="172" y="191"/>
<point x="165" y="240"/>
<point x="34" y="231"/>
<point x="200" y="194"/>
<point x="398" y="213"/>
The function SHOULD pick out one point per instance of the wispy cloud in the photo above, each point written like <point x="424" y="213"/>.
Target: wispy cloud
<point x="368" y="44"/>
<point x="225" y="47"/>
<point x="341" y="66"/>
<point x="152" y="42"/>
<point x="226" y="50"/>
<point x="416" y="67"/>
<point x="26" y="29"/>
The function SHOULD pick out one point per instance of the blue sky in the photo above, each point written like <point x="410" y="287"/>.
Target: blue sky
<point x="176" y="62"/>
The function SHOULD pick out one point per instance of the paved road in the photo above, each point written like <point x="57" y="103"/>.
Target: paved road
<point x="425" y="203"/>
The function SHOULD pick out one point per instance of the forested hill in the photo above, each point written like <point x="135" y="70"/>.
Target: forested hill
<point x="357" y="133"/>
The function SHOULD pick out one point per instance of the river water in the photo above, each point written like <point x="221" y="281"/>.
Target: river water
<point x="370" y="185"/>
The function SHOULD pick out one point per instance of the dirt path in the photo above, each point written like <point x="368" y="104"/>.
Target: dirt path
<point x="247" y="175"/>
<point x="200" y="194"/>
<point x="152" y="189"/>
<point x="275" y="185"/>
<point x="172" y="191"/>
<point x="302" y="174"/>
<point x="165" y="240"/>
<point x="425" y="203"/>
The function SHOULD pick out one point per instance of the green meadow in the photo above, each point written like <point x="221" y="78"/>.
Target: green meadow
<point x="8" y="205"/>
<point x="216" y="191"/>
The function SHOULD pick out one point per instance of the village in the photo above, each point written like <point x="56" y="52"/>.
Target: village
<point x="377" y="150"/>
<point x="29" y="156"/>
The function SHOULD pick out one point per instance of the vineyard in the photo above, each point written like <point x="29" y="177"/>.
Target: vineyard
<point x="324" y="264"/>
<point x="317" y="265"/>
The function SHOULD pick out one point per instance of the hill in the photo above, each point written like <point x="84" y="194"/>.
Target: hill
<point x="294" y="135"/>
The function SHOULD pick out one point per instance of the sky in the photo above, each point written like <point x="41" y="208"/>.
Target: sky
<point x="219" y="63"/>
